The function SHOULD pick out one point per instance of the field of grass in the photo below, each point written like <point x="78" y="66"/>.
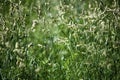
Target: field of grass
<point x="59" y="40"/>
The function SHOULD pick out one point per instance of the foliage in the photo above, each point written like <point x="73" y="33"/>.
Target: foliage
<point x="59" y="40"/>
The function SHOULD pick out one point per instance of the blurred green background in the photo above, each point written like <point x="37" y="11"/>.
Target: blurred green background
<point x="59" y="40"/>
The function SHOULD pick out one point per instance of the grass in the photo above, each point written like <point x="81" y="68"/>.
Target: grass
<point x="59" y="40"/>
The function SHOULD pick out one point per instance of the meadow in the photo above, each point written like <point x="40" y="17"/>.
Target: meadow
<point x="59" y="40"/>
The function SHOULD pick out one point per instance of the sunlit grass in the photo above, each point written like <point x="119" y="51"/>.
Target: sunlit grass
<point x="59" y="40"/>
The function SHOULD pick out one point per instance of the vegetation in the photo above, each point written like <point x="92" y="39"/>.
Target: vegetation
<point x="59" y="39"/>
